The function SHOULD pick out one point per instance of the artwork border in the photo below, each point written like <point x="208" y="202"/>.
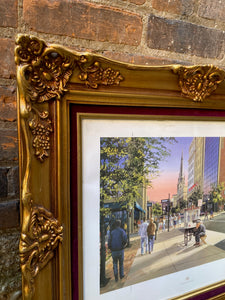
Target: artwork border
<point x="207" y="291"/>
<point x="50" y="78"/>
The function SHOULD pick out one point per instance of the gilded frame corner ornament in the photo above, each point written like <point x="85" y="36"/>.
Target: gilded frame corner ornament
<point x="46" y="75"/>
<point x="199" y="82"/>
<point x="44" y="72"/>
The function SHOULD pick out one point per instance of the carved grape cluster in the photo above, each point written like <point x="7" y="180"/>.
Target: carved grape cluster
<point x="110" y="77"/>
<point x="41" y="142"/>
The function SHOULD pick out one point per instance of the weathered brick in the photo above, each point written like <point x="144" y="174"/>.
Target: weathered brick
<point x="141" y="59"/>
<point x="9" y="214"/>
<point x="9" y="181"/>
<point x="8" y="103"/>
<point x="10" y="273"/>
<point x="137" y="2"/>
<point x="214" y="10"/>
<point x="8" y="145"/>
<point x="3" y="182"/>
<point x="83" y="20"/>
<point x="8" y="13"/>
<point x="7" y="64"/>
<point x="183" y="37"/>
<point x="179" y="7"/>
<point x="13" y="181"/>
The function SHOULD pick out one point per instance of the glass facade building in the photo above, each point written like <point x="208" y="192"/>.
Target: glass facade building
<point x="211" y="163"/>
<point x="191" y="166"/>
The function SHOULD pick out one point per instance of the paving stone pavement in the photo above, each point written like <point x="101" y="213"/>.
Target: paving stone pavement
<point x="171" y="255"/>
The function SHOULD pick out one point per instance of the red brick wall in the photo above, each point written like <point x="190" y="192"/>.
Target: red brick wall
<point x="147" y="32"/>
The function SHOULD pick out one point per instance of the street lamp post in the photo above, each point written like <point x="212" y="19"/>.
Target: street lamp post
<point x="129" y="210"/>
<point x="168" y="209"/>
<point x="103" y="279"/>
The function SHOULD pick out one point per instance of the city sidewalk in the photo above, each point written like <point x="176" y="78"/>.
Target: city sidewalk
<point x="171" y="255"/>
<point x="129" y="255"/>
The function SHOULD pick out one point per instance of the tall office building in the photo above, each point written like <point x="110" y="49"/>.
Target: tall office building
<point x="196" y="165"/>
<point x="211" y="163"/>
<point x="191" y="167"/>
<point x="199" y="162"/>
<point x="221" y="177"/>
<point x="222" y="161"/>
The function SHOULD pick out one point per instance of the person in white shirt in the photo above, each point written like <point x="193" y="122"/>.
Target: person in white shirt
<point x="144" y="237"/>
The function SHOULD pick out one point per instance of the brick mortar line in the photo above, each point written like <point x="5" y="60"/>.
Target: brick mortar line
<point x="9" y="164"/>
<point x="6" y="200"/>
<point x="15" y="230"/>
<point x="8" y="32"/>
<point x="22" y="28"/>
<point x="141" y="50"/>
<point x="7" y="82"/>
<point x="141" y="10"/>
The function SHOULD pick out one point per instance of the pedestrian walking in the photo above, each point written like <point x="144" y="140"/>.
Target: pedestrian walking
<point x="171" y="221"/>
<point x="161" y="224"/>
<point x="143" y="233"/>
<point x="179" y="220"/>
<point x="125" y="227"/>
<point x="199" y="232"/>
<point x="164" y="224"/>
<point x="151" y="230"/>
<point x="211" y="214"/>
<point x="206" y="216"/>
<point x="157" y="227"/>
<point x="117" y="242"/>
<point x="175" y="221"/>
<point x="107" y="233"/>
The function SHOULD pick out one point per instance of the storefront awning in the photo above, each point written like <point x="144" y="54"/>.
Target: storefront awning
<point x="136" y="205"/>
<point x="115" y="205"/>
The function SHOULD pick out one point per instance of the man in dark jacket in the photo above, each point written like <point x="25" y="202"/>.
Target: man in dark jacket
<point x="199" y="232"/>
<point x="117" y="242"/>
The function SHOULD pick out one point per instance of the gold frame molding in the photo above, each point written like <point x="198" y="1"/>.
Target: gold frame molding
<point x="50" y="78"/>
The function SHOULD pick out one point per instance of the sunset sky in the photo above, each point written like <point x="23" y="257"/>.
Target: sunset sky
<point x="166" y="182"/>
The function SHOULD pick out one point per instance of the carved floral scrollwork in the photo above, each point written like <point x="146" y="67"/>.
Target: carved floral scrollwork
<point x="47" y="71"/>
<point x="95" y="75"/>
<point x="38" y="243"/>
<point x="199" y="82"/>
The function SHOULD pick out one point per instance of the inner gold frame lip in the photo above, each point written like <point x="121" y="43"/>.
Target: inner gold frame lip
<point x="130" y="117"/>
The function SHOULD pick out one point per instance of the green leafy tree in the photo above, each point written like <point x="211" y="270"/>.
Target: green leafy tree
<point x="125" y="166"/>
<point x="183" y="204"/>
<point x="157" y="209"/>
<point x="216" y="194"/>
<point x="195" y="196"/>
<point x="174" y="210"/>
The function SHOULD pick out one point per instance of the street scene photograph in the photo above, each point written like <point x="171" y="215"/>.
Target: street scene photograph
<point x="161" y="207"/>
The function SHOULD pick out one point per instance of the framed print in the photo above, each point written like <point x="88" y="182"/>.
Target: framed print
<point x="122" y="177"/>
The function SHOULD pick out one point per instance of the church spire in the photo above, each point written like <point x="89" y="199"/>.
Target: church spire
<point x="181" y="166"/>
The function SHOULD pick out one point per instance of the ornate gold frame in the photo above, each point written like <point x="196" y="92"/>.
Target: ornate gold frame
<point x="50" y="78"/>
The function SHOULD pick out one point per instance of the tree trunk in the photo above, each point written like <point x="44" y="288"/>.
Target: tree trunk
<point x="102" y="251"/>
